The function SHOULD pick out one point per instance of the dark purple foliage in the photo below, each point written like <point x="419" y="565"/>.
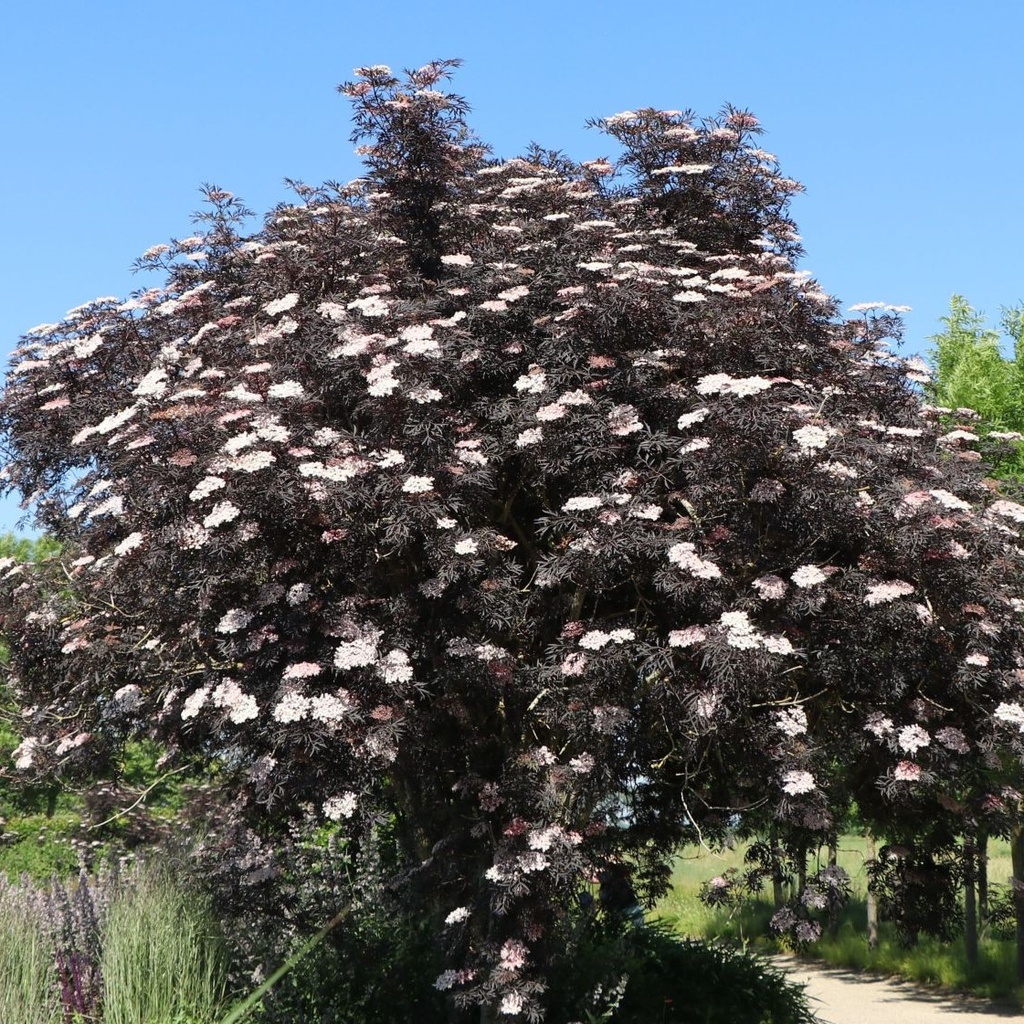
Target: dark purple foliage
<point x="542" y="510"/>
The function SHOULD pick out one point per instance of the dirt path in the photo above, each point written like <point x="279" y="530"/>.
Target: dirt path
<point x="840" y="996"/>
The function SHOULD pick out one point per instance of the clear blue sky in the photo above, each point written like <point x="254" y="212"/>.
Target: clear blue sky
<point x="903" y="120"/>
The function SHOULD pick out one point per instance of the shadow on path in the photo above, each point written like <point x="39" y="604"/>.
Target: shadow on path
<point x="842" y="996"/>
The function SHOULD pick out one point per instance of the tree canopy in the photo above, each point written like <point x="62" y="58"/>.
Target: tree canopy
<point x="544" y="510"/>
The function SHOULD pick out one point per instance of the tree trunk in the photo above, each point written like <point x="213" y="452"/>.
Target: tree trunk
<point x="833" y="909"/>
<point x="1017" y="883"/>
<point x="778" y="897"/>
<point x="970" y="858"/>
<point x="982" y="867"/>
<point x="872" y="922"/>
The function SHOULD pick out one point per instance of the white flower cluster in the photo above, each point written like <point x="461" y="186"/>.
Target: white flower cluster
<point x="575" y="398"/>
<point x="302" y="670"/>
<point x="533" y="382"/>
<point x="1010" y="509"/>
<point x="282" y="304"/>
<point x="883" y="593"/>
<point x="234" y="620"/>
<point x="912" y="738"/>
<point x="338" y="807"/>
<point x="458" y="915"/>
<point x="205" y="487"/>
<point x="240" y="706"/>
<point x="195" y="700"/>
<point x="878" y="725"/>
<point x="292" y="707"/>
<point x="418" y="484"/>
<point x="370" y="306"/>
<point x="331" y="708"/>
<point x="130" y="543"/>
<point x="153" y="384"/>
<point x="286" y="389"/>
<point x="223" y="512"/>
<point x="623" y="420"/>
<point x="1011" y="713"/>
<point x="252" y="462"/>
<point x="358" y="653"/>
<point x="650" y="512"/>
<point x="810" y="438"/>
<point x="244" y="440"/>
<point x="689" y="418"/>
<point x="240" y="393"/>
<point x="948" y="500"/>
<point x="595" y="639"/>
<point x="687" y="637"/>
<point x="807" y="576"/>
<point x="682" y="169"/>
<point x="380" y="379"/>
<point x="792" y="721"/>
<point x="332" y="311"/>
<point x="796" y="782"/>
<point x="582" y="503"/>
<point x="419" y="340"/>
<point x="550" y="413"/>
<point x="24" y="753"/>
<point x="512" y="1004"/>
<point x="770" y="587"/>
<point x="685" y="556"/>
<point x="741" y="633"/>
<point x="530" y="436"/>
<point x="724" y="384"/>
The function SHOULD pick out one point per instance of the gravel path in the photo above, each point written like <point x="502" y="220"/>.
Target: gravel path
<point x="841" y="996"/>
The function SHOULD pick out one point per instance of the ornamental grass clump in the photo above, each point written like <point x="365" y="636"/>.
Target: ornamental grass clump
<point x="544" y="511"/>
<point x="162" y="957"/>
<point x="28" y="978"/>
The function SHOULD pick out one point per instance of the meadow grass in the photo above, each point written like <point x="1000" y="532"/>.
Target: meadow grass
<point x="929" y="962"/>
<point x="28" y="991"/>
<point x="162" y="960"/>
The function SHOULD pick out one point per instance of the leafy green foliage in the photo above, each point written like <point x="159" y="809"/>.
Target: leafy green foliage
<point x="972" y="373"/>
<point x="650" y="974"/>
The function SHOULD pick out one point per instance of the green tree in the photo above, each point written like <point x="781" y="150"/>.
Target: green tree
<point x="972" y="374"/>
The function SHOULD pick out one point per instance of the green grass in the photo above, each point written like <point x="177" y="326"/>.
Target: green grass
<point x="930" y="962"/>
<point x="40" y="846"/>
<point x="162" y="961"/>
<point x="28" y="993"/>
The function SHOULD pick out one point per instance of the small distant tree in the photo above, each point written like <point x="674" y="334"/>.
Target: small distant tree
<point x="975" y="375"/>
<point x="541" y="511"/>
